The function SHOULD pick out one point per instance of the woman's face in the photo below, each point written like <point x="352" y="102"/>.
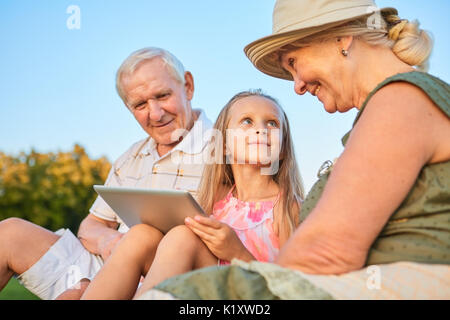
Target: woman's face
<point x="321" y="70"/>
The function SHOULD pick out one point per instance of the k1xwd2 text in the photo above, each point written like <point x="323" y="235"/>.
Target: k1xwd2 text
<point x="226" y="309"/>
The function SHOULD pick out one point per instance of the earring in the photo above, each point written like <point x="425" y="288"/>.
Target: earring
<point x="344" y="52"/>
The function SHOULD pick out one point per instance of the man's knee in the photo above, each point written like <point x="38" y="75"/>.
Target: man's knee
<point x="23" y="243"/>
<point x="12" y="227"/>
<point x="23" y="232"/>
<point x="11" y="223"/>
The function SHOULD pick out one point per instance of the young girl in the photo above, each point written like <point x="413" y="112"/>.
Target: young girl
<point x="252" y="213"/>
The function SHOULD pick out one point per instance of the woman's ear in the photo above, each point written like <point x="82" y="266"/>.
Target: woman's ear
<point x="189" y="85"/>
<point x="344" y="43"/>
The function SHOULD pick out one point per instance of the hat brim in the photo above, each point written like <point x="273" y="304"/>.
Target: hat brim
<point x="261" y="52"/>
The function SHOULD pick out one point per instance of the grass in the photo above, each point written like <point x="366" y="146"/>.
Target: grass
<point x="15" y="291"/>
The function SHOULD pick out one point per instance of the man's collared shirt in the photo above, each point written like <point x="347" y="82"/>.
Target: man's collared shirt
<point x="142" y="167"/>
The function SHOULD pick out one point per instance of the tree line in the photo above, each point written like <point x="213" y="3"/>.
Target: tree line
<point x="53" y="190"/>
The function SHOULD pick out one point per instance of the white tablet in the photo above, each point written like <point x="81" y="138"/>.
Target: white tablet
<point x="162" y="209"/>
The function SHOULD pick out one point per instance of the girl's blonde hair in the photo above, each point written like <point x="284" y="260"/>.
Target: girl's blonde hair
<point x="407" y="41"/>
<point x="218" y="175"/>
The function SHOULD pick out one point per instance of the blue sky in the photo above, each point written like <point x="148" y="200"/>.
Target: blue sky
<point x="57" y="85"/>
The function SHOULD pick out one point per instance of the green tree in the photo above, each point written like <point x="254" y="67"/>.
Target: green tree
<point x="53" y="190"/>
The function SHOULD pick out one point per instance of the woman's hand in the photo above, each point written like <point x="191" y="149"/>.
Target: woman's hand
<point x="221" y="240"/>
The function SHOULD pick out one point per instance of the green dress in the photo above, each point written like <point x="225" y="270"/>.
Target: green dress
<point x="419" y="230"/>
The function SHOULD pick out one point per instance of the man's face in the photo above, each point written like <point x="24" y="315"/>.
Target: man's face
<point x="159" y="103"/>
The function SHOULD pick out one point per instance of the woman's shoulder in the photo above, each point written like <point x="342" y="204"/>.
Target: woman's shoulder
<point x="412" y="83"/>
<point x="408" y="92"/>
<point x="403" y="110"/>
<point x="413" y="96"/>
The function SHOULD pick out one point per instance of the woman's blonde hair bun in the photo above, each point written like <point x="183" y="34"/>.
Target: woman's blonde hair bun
<point x="412" y="45"/>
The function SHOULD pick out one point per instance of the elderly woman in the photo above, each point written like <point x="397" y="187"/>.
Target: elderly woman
<point x="379" y="217"/>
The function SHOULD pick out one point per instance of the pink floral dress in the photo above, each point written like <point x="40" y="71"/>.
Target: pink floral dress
<point x="253" y="224"/>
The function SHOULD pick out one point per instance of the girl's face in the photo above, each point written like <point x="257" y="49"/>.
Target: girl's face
<point x="254" y="131"/>
<point x="321" y="70"/>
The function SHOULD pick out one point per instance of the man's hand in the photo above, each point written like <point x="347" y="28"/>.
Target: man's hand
<point x="107" y="243"/>
<point x="221" y="240"/>
<point x="99" y="236"/>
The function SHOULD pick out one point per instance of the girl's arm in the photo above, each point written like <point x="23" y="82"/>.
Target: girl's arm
<point x="399" y="132"/>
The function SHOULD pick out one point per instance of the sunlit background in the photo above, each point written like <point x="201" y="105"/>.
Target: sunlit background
<point x="57" y="84"/>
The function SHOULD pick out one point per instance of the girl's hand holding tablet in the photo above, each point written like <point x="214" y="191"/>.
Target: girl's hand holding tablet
<point x="220" y="238"/>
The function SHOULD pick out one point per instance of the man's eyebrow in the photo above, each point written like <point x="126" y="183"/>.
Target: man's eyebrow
<point x="162" y="92"/>
<point x="135" y="103"/>
<point x="156" y="94"/>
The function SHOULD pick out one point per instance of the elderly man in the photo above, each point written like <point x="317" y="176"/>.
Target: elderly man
<point x="156" y="89"/>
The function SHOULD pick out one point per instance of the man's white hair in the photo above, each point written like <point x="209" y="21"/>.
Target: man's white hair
<point x="135" y="59"/>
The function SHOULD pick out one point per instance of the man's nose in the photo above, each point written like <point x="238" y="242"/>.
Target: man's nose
<point x="155" y="111"/>
<point x="299" y="86"/>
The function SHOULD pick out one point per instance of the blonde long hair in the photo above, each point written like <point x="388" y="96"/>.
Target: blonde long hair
<point x="218" y="175"/>
<point x="407" y="41"/>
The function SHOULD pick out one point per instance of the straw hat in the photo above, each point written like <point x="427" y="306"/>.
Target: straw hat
<point x="296" y="19"/>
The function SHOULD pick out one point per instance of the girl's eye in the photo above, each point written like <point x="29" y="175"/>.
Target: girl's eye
<point x="272" y="123"/>
<point x="246" y="121"/>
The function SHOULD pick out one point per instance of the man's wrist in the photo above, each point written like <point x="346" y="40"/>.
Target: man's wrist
<point x="105" y="236"/>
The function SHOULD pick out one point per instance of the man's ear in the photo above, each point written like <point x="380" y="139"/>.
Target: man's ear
<point x="189" y="85"/>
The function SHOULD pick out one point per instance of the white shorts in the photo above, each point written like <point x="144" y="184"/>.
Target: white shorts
<point x="61" y="267"/>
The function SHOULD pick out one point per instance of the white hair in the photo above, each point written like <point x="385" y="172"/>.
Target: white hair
<point x="135" y="59"/>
